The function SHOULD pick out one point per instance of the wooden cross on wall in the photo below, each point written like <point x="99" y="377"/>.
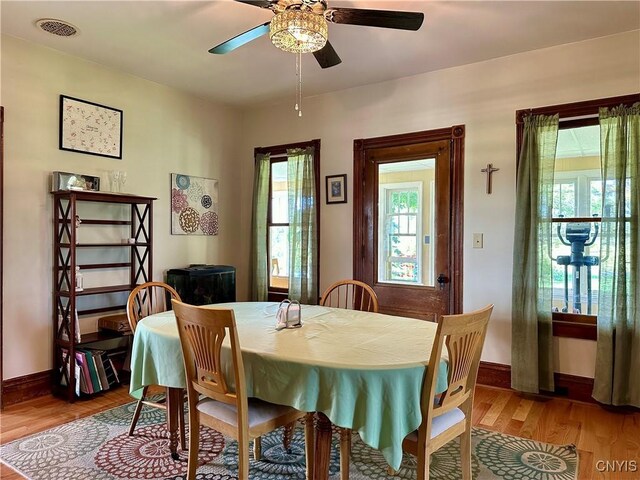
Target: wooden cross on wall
<point x="489" y="171"/>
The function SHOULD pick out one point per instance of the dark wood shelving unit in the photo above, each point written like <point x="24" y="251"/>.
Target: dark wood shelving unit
<point x="97" y="290"/>
<point x="88" y="221"/>
<point x="140" y="265"/>
<point x="93" y="337"/>
<point x="85" y="245"/>
<point x="92" y="266"/>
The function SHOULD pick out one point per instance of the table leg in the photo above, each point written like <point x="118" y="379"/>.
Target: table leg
<point x="174" y="399"/>
<point x="322" y="447"/>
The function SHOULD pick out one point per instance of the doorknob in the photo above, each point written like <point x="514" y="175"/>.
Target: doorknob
<point x="442" y="280"/>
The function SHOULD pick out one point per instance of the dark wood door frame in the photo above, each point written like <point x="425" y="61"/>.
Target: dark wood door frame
<point x="1" y="248"/>
<point x="455" y="135"/>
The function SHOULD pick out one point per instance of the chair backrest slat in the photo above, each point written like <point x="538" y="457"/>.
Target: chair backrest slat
<point x="352" y="295"/>
<point x="202" y="332"/>
<point x="147" y="299"/>
<point x="463" y="336"/>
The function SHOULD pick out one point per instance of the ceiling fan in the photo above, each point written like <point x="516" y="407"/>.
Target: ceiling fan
<point x="300" y="26"/>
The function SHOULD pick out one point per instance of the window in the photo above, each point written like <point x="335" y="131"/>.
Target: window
<point x="278" y="248"/>
<point x="400" y="255"/>
<point x="576" y="215"/>
<point x="279" y="214"/>
<point x="406" y="216"/>
<point x="577" y="212"/>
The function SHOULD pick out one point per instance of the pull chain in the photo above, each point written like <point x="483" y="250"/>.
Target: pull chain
<point x="298" y="106"/>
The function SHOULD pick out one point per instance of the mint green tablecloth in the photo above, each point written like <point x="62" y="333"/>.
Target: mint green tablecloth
<point x="363" y="370"/>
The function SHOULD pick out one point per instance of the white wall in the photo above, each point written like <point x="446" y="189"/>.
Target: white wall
<point x="164" y="131"/>
<point x="482" y="96"/>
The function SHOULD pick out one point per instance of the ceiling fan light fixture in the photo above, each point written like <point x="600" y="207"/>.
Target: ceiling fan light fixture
<point x="296" y="31"/>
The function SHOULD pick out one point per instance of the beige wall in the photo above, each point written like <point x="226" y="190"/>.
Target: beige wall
<point x="167" y="131"/>
<point x="484" y="97"/>
<point x="164" y="131"/>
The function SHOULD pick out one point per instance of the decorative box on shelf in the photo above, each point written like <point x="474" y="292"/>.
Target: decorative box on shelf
<point x="115" y="323"/>
<point x="74" y="181"/>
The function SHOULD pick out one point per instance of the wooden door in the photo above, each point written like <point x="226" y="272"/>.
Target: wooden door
<point x="408" y="221"/>
<point x="1" y="250"/>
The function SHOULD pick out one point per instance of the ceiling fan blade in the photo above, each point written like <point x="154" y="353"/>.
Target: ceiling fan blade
<point x="241" y="39"/>
<point x="376" y="18"/>
<point x="258" y="3"/>
<point x="327" y="56"/>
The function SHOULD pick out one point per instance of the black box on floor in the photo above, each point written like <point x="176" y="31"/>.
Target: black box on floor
<point x="204" y="284"/>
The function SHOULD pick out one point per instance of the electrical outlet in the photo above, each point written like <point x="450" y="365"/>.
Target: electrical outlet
<point x="477" y="240"/>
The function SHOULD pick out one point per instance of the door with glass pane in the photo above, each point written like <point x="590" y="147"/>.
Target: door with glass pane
<point x="404" y="226"/>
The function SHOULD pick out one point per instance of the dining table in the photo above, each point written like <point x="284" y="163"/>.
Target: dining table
<point x="357" y="370"/>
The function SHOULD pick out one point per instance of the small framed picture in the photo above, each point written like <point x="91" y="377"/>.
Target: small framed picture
<point x="337" y="188"/>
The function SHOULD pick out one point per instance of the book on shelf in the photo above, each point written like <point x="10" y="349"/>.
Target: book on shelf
<point x="106" y="371"/>
<point x="93" y="372"/>
<point x="109" y="370"/>
<point x="80" y="385"/>
<point x="79" y="379"/>
<point x="114" y="369"/>
<point x="86" y="385"/>
<point x="102" y="374"/>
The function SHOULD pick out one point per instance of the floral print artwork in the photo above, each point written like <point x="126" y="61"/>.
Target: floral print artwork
<point x="194" y="205"/>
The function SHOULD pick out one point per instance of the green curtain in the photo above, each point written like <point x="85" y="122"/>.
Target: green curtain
<point x="531" y="330"/>
<point x="259" y="260"/>
<point x="303" y="234"/>
<point x="617" y="377"/>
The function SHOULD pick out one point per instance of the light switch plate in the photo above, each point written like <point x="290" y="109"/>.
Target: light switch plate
<point x="477" y="240"/>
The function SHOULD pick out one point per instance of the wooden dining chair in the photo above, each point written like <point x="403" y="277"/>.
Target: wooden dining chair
<point x="352" y="295"/>
<point x="449" y="416"/>
<point x="228" y="411"/>
<point x="144" y="300"/>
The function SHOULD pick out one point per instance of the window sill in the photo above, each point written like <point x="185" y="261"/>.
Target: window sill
<point x="574" y="326"/>
<point x="277" y="296"/>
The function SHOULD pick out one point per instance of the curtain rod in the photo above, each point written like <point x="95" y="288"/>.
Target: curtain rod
<point x="581" y="117"/>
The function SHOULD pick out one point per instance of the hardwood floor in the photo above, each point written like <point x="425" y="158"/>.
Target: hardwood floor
<point x="598" y="434"/>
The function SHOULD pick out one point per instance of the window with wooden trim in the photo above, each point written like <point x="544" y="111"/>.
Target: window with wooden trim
<point x="577" y="213"/>
<point x="278" y="226"/>
<point x="278" y="214"/>
<point x="577" y="200"/>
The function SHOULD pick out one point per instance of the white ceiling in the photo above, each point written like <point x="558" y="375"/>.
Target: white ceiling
<point x="167" y="42"/>
<point x="579" y="142"/>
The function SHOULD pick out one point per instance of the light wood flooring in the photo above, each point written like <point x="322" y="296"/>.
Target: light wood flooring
<point x="599" y="434"/>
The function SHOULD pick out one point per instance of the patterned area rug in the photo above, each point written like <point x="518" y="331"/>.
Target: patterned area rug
<point x="98" y="448"/>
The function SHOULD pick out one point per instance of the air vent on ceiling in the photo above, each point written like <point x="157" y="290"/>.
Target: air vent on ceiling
<point x="57" y="27"/>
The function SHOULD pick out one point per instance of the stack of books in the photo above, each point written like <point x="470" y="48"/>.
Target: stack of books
<point x="94" y="371"/>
